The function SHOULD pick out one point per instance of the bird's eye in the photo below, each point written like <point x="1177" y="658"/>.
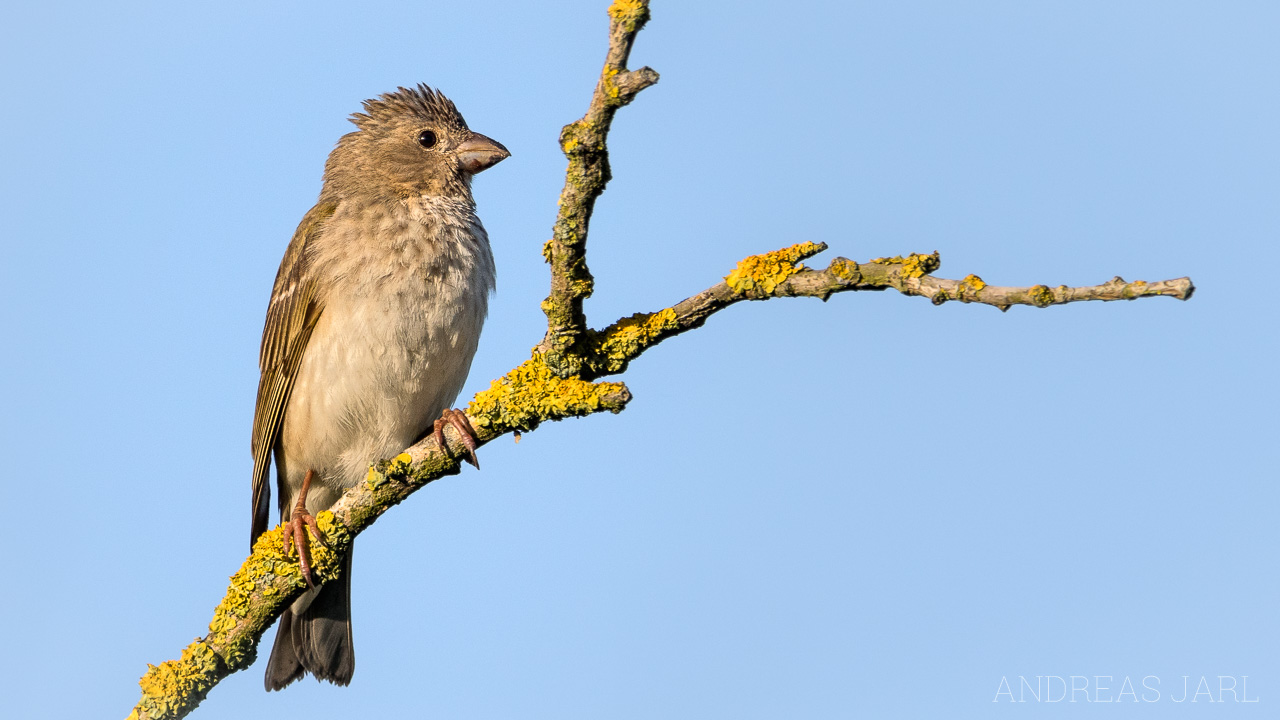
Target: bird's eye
<point x="427" y="139"/>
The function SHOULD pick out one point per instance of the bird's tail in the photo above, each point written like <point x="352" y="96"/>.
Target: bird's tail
<point x="314" y="636"/>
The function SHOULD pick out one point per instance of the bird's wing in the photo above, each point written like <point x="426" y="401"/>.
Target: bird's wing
<point x="293" y="312"/>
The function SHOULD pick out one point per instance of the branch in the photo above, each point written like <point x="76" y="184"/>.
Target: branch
<point x="269" y="580"/>
<point x="583" y="142"/>
<point x="780" y="274"/>
<point x="558" y="380"/>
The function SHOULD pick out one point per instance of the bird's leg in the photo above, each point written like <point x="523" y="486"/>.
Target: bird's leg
<point x="295" y="531"/>
<point x="459" y="421"/>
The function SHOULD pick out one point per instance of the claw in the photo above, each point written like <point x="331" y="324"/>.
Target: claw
<point x="295" y="532"/>
<point x="310" y="520"/>
<point x="466" y="433"/>
<point x="304" y="551"/>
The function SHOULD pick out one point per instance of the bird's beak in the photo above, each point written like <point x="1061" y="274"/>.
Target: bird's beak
<point x="478" y="153"/>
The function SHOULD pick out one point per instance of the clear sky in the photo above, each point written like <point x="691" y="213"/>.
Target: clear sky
<point x="871" y="507"/>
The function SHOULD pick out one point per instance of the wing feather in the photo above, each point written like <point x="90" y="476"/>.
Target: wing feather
<point x="291" y="315"/>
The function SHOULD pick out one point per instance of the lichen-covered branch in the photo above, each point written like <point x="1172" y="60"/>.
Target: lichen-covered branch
<point x="583" y="142"/>
<point x="911" y="275"/>
<point x="560" y="379"/>
<point x="269" y="580"/>
<point x="533" y="393"/>
<point x="781" y="274"/>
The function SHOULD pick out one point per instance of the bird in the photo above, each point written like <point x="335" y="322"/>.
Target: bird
<point x="374" y="319"/>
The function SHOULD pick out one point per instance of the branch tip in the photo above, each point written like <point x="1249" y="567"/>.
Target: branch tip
<point x="629" y="15"/>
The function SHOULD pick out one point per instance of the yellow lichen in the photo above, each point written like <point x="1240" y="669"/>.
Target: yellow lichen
<point x="176" y="685"/>
<point x="571" y="135"/>
<point x="974" y="282"/>
<point x="269" y="571"/>
<point x="1040" y="296"/>
<point x="845" y="269"/>
<point x="336" y="534"/>
<point x="582" y="287"/>
<point x="918" y="265"/>
<point x="628" y="337"/>
<point x="914" y="265"/>
<point x="765" y="272"/>
<point x="237" y="604"/>
<point x="1137" y="288"/>
<point x="632" y="14"/>
<point x="606" y="79"/>
<point x="532" y="392"/>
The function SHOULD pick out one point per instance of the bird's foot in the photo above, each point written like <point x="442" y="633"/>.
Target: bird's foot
<point x="459" y="421"/>
<point x="295" y="531"/>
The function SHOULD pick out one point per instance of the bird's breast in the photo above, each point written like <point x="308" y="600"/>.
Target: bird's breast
<point x="405" y="303"/>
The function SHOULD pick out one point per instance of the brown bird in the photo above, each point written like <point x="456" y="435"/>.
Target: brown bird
<point x="372" y="325"/>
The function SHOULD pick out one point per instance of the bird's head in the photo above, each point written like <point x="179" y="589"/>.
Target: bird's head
<point x="410" y="142"/>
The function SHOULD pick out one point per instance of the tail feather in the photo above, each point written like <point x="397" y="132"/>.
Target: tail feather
<point x="283" y="667"/>
<point x="316" y="638"/>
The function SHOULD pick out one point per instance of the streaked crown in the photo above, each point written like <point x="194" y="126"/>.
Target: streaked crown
<point x="422" y="102"/>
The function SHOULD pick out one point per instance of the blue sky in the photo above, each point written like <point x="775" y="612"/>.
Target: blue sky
<point x="868" y="507"/>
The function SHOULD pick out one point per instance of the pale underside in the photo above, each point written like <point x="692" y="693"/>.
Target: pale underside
<point x="385" y="359"/>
